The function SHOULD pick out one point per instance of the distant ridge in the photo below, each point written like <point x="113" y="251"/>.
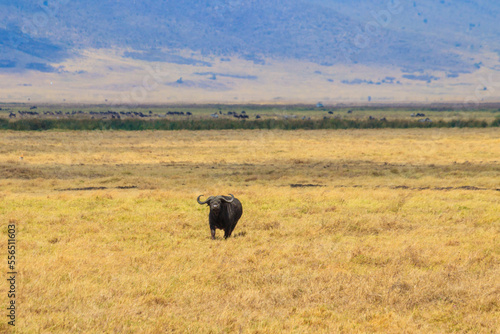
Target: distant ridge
<point x="343" y="50"/>
<point x="325" y="32"/>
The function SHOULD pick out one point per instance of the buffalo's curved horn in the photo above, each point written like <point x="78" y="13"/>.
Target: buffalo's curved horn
<point x="228" y="200"/>
<point x="208" y="199"/>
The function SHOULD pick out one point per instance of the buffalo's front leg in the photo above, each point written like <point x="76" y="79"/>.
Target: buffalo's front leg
<point x="212" y="230"/>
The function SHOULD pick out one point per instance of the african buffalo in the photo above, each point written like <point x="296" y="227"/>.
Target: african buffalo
<point x="224" y="213"/>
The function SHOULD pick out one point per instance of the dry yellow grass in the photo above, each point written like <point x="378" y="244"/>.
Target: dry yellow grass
<point x="401" y="236"/>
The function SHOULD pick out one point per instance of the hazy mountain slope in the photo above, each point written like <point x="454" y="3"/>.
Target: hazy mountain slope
<point x="466" y="23"/>
<point x="254" y="50"/>
<point x="325" y="32"/>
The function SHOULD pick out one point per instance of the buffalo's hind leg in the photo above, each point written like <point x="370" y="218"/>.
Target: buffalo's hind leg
<point x="229" y="231"/>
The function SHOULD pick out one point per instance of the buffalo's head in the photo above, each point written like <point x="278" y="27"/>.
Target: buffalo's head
<point x="215" y="202"/>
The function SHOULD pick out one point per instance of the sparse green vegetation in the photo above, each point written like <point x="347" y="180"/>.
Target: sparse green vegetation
<point x="227" y="124"/>
<point x="270" y="117"/>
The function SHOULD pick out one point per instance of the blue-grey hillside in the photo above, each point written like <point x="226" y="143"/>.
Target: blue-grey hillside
<point x="413" y="35"/>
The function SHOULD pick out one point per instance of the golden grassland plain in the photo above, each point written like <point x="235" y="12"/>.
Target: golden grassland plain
<point x="382" y="231"/>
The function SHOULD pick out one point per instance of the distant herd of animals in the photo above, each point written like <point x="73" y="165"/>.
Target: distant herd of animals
<point x="117" y="114"/>
<point x="242" y="115"/>
<point x="101" y="114"/>
<point x="151" y="115"/>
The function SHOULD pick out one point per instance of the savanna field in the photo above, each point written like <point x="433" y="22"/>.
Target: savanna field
<point x="386" y="230"/>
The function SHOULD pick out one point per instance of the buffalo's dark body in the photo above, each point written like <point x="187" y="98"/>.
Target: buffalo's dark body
<point x="226" y="219"/>
<point x="224" y="215"/>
